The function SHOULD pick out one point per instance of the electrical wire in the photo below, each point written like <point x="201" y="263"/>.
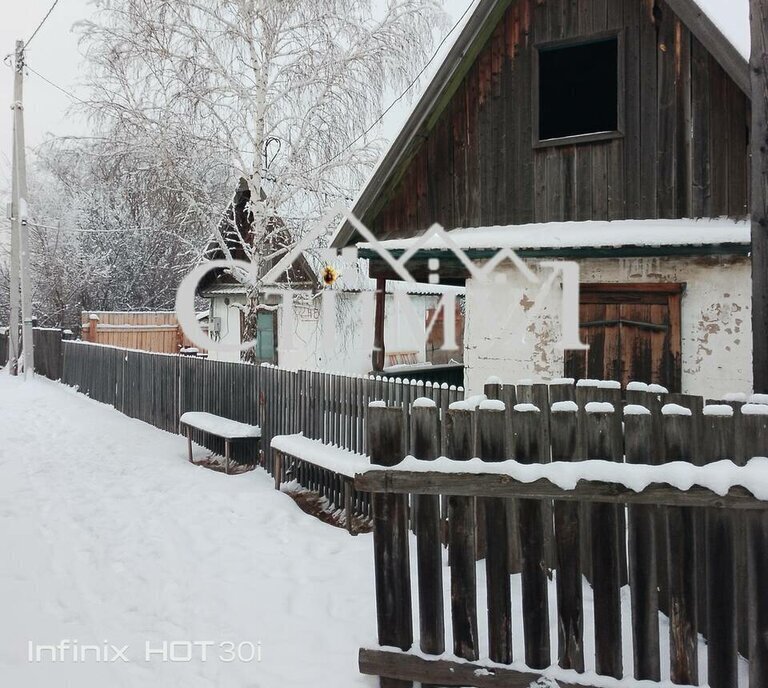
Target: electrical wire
<point x="56" y="86"/>
<point x="370" y="128"/>
<point x="401" y="96"/>
<point x="40" y="25"/>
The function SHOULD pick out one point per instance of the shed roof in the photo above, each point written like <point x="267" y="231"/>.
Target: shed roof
<point x="234" y="228"/>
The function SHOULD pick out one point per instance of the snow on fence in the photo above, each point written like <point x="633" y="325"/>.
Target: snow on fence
<point x="698" y="555"/>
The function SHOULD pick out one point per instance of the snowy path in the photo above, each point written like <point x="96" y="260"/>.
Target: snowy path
<point x="109" y="535"/>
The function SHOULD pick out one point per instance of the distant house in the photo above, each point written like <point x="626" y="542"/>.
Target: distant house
<point x="300" y="340"/>
<point x="614" y="134"/>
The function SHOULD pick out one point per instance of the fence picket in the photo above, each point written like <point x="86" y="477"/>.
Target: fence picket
<point x="681" y="561"/>
<point x="527" y="421"/>
<point x="605" y="554"/>
<point x="642" y="555"/>
<point x="570" y="606"/>
<point x="462" y="528"/>
<point x="491" y="425"/>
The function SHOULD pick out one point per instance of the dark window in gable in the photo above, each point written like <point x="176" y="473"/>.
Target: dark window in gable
<point x="578" y="89"/>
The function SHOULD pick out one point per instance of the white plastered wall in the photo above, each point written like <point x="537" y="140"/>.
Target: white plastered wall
<point x="509" y="335"/>
<point x="304" y="344"/>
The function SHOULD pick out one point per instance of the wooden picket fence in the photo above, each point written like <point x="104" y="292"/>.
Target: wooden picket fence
<point x="693" y="555"/>
<point x="158" y="388"/>
<point x="48" y="351"/>
<point x="699" y="557"/>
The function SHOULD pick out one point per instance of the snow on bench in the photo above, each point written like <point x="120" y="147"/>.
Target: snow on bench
<point x="332" y="458"/>
<point x="226" y="428"/>
<point x="221" y="427"/>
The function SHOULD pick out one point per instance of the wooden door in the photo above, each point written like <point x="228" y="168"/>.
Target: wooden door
<point x="633" y="331"/>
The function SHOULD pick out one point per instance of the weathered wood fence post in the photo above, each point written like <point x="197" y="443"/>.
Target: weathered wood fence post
<point x="462" y="544"/>
<point x="526" y="420"/>
<point x="425" y="445"/>
<point x="643" y="577"/>
<point x="677" y="426"/>
<point x="570" y="605"/>
<point x="719" y="544"/>
<point x="491" y="425"/>
<point x="755" y="425"/>
<point x="599" y="431"/>
<point x="390" y="538"/>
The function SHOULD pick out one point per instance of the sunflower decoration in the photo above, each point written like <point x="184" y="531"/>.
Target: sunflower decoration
<point x="330" y="275"/>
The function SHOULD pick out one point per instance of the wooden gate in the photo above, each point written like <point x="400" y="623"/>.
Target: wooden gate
<point x="633" y="331"/>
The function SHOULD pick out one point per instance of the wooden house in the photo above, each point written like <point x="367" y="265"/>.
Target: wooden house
<point x="300" y="339"/>
<point x="614" y="133"/>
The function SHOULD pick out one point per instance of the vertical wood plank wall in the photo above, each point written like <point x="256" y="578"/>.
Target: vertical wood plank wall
<point x="683" y="152"/>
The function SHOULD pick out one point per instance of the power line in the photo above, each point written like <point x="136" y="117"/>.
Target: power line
<point x="80" y="230"/>
<point x="56" y="86"/>
<point x="40" y="25"/>
<point x="402" y="95"/>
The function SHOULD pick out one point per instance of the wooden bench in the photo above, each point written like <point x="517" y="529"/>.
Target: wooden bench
<point x="227" y="429"/>
<point x="337" y="470"/>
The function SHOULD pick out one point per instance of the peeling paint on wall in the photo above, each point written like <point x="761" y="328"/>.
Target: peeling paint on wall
<point x="502" y="339"/>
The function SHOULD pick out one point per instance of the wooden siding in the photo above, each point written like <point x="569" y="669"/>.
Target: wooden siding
<point x="683" y="151"/>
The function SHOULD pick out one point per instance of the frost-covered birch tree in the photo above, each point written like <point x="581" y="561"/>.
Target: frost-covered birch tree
<point x="282" y="92"/>
<point x="109" y="227"/>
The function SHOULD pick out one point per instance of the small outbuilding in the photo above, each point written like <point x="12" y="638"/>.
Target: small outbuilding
<point x="610" y="134"/>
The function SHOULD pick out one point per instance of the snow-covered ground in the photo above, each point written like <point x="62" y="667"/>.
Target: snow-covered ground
<point x="109" y="536"/>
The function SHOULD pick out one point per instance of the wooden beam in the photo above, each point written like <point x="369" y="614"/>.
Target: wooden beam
<point x="759" y="81"/>
<point x="494" y="485"/>
<point x="452" y="272"/>
<point x="398" y="665"/>
<point x="378" y="354"/>
<point x="705" y="30"/>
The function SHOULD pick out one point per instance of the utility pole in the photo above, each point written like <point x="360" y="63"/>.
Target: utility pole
<point x="20" y="233"/>
<point x="15" y="286"/>
<point x="758" y="70"/>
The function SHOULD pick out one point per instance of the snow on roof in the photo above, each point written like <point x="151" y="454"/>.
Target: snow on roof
<point x="732" y="18"/>
<point x="591" y="234"/>
<point x="413" y="288"/>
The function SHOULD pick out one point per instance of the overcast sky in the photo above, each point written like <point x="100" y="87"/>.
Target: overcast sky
<point x="54" y="53"/>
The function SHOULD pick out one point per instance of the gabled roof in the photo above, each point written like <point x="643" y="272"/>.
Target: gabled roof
<point x="719" y="25"/>
<point x="234" y="228"/>
<point x="731" y="17"/>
